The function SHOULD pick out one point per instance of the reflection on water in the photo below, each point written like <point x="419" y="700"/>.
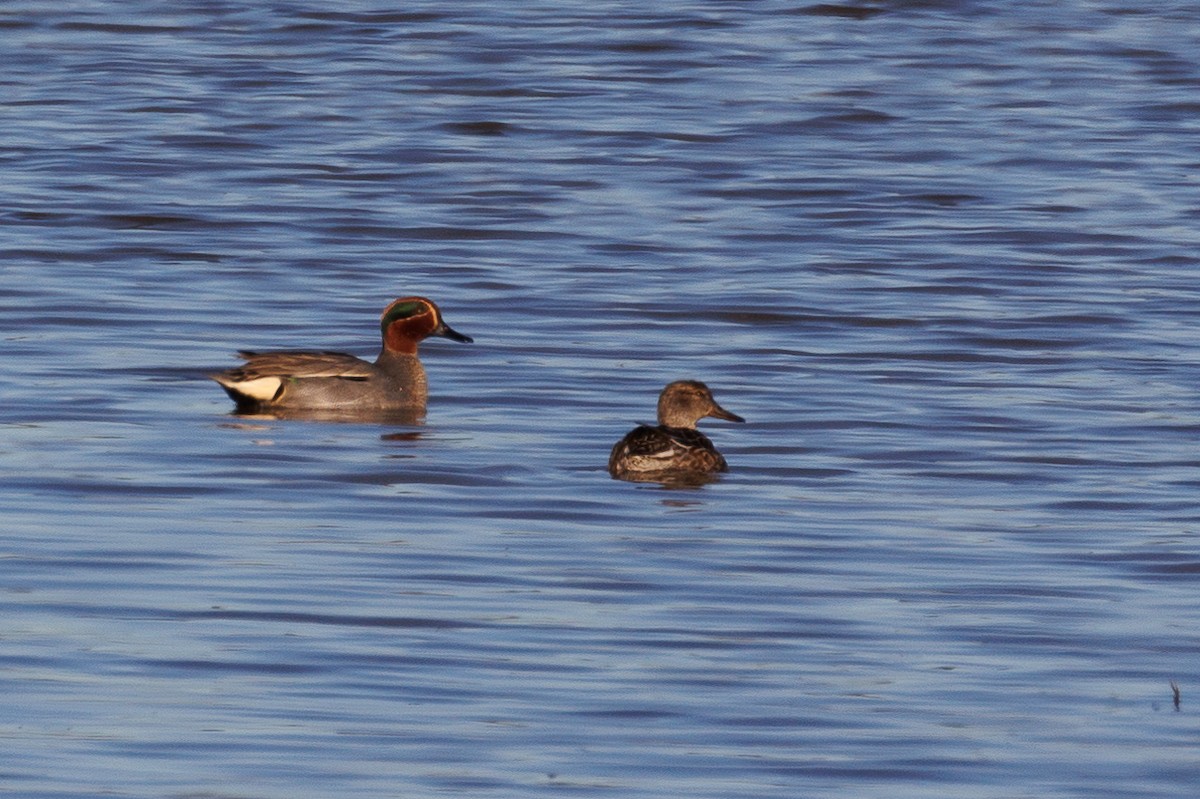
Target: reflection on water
<point x="404" y="417"/>
<point x="938" y="253"/>
<point x="669" y="480"/>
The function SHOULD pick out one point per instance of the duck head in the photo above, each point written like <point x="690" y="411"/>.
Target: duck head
<point x="685" y="402"/>
<point x="410" y="320"/>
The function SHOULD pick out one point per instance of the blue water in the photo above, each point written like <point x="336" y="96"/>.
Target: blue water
<point x="941" y="255"/>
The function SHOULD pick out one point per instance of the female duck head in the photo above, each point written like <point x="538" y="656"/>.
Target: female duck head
<point x="685" y="402"/>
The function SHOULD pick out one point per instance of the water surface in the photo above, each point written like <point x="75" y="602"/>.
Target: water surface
<point x="940" y="255"/>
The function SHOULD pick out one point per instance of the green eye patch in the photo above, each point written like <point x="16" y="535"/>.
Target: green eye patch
<point x="404" y="310"/>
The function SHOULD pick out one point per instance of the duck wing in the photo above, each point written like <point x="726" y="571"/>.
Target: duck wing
<point x="261" y="379"/>
<point x="299" y="364"/>
<point x="653" y="448"/>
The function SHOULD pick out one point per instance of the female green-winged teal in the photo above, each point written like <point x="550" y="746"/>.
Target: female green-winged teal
<point x="335" y="382"/>
<point x="674" y="450"/>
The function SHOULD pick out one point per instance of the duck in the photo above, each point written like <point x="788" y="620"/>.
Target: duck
<point x="673" y="450"/>
<point x="318" y="381"/>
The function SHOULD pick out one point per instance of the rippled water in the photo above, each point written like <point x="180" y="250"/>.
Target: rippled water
<point x="942" y="256"/>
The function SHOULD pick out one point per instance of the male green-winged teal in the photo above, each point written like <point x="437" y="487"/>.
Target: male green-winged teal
<point x="305" y="381"/>
<point x="674" y="450"/>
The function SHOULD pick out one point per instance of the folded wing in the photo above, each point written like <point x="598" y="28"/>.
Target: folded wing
<point x="263" y="374"/>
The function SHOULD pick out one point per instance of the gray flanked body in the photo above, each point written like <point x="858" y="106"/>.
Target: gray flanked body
<point x="326" y="381"/>
<point x="301" y="380"/>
